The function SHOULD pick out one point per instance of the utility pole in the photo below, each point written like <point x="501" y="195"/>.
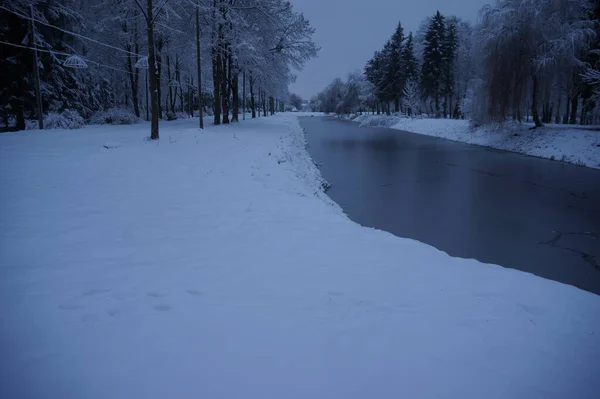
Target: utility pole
<point x="36" y="72"/>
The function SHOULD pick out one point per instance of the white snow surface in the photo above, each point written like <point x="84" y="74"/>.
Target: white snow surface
<point x="210" y="265"/>
<point x="574" y="144"/>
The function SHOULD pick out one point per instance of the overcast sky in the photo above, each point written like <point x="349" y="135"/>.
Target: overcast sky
<point x="349" y="31"/>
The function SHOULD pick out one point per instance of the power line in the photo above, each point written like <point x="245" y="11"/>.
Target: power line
<point x="34" y="48"/>
<point x="61" y="53"/>
<point x="69" y="32"/>
<point x="81" y="37"/>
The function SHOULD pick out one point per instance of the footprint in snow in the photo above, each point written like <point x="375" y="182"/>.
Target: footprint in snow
<point x="154" y="295"/>
<point x="163" y="308"/>
<point x="194" y="292"/>
<point x="94" y="291"/>
<point x="70" y="307"/>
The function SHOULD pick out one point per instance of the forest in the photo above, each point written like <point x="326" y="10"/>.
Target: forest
<point x="523" y="60"/>
<point x="72" y="62"/>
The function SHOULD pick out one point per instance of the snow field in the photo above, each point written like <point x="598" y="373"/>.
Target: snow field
<point x="210" y="264"/>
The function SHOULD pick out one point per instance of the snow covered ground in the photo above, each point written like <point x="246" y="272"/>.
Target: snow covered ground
<point x="210" y="264"/>
<point x="574" y="144"/>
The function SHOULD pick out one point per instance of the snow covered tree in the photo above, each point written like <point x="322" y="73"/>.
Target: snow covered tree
<point x="450" y="46"/>
<point x="464" y="66"/>
<point x="374" y="71"/>
<point x="395" y="77"/>
<point x="255" y="44"/>
<point x="412" y="97"/>
<point x="409" y="60"/>
<point x="434" y="61"/>
<point x="296" y="101"/>
<point x="525" y="47"/>
<point x="62" y="87"/>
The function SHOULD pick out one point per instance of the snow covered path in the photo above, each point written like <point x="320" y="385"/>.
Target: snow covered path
<point x="209" y="264"/>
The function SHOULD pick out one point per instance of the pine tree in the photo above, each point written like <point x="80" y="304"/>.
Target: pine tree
<point x="433" y="60"/>
<point x="374" y="71"/>
<point x="386" y="83"/>
<point x="409" y="60"/>
<point x="450" y="46"/>
<point x="396" y="77"/>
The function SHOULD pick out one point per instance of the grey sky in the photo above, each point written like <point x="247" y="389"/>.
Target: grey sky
<point x="349" y="31"/>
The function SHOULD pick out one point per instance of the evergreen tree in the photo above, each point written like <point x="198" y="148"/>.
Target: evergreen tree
<point x="385" y="85"/>
<point x="395" y="78"/>
<point x="16" y="90"/>
<point x="409" y="60"/>
<point x="374" y="71"/>
<point x="450" y="46"/>
<point x="433" y="60"/>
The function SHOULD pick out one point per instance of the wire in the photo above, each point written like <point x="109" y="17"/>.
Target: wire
<point x="65" y="54"/>
<point x="34" y="48"/>
<point x="69" y="32"/>
<point x="82" y="37"/>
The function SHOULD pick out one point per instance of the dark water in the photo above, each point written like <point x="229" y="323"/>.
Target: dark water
<point x="526" y="213"/>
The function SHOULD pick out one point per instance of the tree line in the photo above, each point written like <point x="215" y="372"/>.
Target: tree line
<point x="158" y="58"/>
<point x="524" y="60"/>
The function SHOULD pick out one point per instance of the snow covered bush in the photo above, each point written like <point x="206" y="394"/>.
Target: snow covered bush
<point x="114" y="116"/>
<point x="68" y="119"/>
<point x="182" y="115"/>
<point x="381" y="120"/>
<point x="31" y="124"/>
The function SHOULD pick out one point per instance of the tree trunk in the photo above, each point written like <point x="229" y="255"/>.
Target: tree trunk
<point x="132" y="82"/>
<point x="574" y="103"/>
<point x="566" y="117"/>
<point x="154" y="99"/>
<point x="584" y="111"/>
<point x="235" y="91"/>
<point x="445" y="105"/>
<point x="244" y="95"/>
<point x="170" y="102"/>
<point x="189" y="101"/>
<point x="199" y="68"/>
<point x="20" y="122"/>
<point x="534" y="102"/>
<point x="217" y="85"/>
<point x="225" y="75"/>
<point x="158" y="57"/>
<point x="252" y="100"/>
<point x="179" y="88"/>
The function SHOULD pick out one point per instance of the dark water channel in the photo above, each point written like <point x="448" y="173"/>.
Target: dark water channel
<point x="526" y="213"/>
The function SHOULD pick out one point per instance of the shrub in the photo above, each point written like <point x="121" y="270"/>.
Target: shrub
<point x="114" y="116"/>
<point x="182" y="115"/>
<point x="68" y="119"/>
<point x="380" y="120"/>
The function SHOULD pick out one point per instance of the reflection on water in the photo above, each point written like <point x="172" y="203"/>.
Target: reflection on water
<point x="466" y="200"/>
